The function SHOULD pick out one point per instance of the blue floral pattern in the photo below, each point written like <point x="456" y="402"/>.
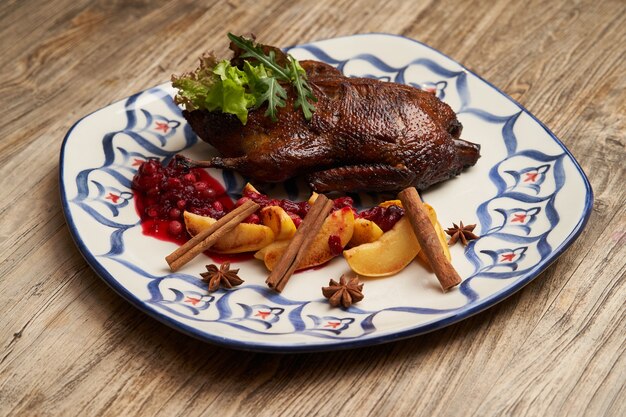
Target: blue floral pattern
<point x="516" y="221"/>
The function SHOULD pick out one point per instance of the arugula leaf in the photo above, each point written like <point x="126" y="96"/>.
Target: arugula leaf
<point x="266" y="88"/>
<point x="302" y="87"/>
<point x="275" y="95"/>
<point x="294" y="73"/>
<point x="254" y="51"/>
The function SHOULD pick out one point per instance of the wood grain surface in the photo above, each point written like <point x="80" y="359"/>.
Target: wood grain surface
<point x="70" y="346"/>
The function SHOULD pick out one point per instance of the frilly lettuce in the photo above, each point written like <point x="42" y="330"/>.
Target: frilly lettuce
<point x="221" y="86"/>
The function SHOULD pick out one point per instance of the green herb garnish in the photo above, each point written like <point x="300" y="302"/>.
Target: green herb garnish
<point x="302" y="87"/>
<point x="222" y="86"/>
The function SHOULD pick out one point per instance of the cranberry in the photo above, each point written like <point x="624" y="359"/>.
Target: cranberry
<point x="343" y="202"/>
<point x="152" y="180"/>
<point x="189" y="178"/>
<point x="260" y="199"/>
<point x="152" y="191"/>
<point x="174" y="213"/>
<point x="384" y="217"/>
<point x="149" y="167"/>
<point x="253" y="218"/>
<point x="334" y="243"/>
<point x="199" y="211"/>
<point x="163" y="192"/>
<point x="152" y="212"/>
<point x="210" y="193"/>
<point x="174" y="183"/>
<point x="303" y="208"/>
<point x="241" y="201"/>
<point x="289" y="206"/>
<point x="295" y="218"/>
<point x="200" y="186"/>
<point x="175" y="228"/>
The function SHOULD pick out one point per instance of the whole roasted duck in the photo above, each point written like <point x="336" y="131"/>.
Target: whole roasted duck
<point x="364" y="135"/>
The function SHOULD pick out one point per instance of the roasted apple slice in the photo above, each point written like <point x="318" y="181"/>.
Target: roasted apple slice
<point x="391" y="253"/>
<point x="391" y="203"/>
<point x="279" y="221"/>
<point x="335" y="234"/>
<point x="365" y="231"/>
<point x="245" y="237"/>
<point x="433" y="219"/>
<point x="249" y="188"/>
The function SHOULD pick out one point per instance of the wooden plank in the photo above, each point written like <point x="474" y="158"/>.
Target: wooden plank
<point x="71" y="346"/>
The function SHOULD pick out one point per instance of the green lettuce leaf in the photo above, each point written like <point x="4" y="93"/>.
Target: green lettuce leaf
<point x="220" y="86"/>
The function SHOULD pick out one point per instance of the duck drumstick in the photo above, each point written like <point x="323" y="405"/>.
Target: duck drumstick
<point x="427" y="237"/>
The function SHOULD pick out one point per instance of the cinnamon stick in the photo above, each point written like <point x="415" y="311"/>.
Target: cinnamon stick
<point x="427" y="237"/>
<point x="207" y="237"/>
<point x="300" y="243"/>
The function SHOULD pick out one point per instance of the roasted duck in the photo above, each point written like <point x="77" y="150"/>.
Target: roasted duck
<point x="364" y="135"/>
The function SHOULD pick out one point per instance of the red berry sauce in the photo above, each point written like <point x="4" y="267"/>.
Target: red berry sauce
<point x="384" y="217"/>
<point x="163" y="193"/>
<point x="296" y="211"/>
<point x="334" y="243"/>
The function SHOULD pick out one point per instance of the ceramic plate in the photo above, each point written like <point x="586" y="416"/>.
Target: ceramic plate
<point x="527" y="194"/>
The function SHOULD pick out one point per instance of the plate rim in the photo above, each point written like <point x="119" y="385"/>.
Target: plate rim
<point x="417" y="330"/>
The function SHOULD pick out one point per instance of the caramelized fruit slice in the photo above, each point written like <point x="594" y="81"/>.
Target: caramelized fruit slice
<point x="279" y="221"/>
<point x="390" y="254"/>
<point x="365" y="231"/>
<point x="245" y="237"/>
<point x="339" y="226"/>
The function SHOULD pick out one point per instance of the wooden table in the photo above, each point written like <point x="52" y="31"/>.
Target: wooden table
<point x="71" y="346"/>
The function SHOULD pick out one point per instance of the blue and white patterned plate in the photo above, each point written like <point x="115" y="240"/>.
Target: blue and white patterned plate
<point x="527" y="193"/>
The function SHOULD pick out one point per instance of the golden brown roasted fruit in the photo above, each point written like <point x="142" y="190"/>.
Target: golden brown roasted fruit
<point x="365" y="231"/>
<point x="339" y="223"/>
<point x="245" y="237"/>
<point x="279" y="221"/>
<point x="388" y="255"/>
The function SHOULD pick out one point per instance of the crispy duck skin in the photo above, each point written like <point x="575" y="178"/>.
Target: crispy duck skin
<point x="365" y="135"/>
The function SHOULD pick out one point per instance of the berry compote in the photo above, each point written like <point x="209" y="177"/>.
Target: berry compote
<point x="163" y="193"/>
<point x="295" y="210"/>
<point x="384" y="217"/>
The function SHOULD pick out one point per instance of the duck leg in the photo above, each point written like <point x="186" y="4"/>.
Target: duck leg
<point x="371" y="177"/>
<point x="237" y="163"/>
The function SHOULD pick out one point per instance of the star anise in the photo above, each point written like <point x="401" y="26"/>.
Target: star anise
<point x="344" y="292"/>
<point x="462" y="233"/>
<point x="222" y="276"/>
